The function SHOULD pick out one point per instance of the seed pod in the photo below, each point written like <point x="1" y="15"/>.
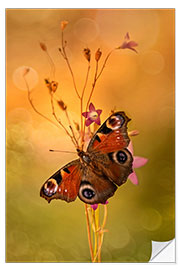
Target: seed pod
<point x="77" y="126"/>
<point x="63" y="24"/>
<point x="62" y="105"/>
<point x="98" y="55"/>
<point x="43" y="46"/>
<point x="87" y="54"/>
<point x="54" y="86"/>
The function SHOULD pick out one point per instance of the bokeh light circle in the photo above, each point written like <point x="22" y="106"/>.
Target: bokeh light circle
<point x="31" y="77"/>
<point x="86" y="30"/>
<point x="142" y="25"/>
<point x="152" y="62"/>
<point x="150" y="219"/>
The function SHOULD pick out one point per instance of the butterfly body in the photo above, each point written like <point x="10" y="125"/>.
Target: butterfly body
<point x="95" y="175"/>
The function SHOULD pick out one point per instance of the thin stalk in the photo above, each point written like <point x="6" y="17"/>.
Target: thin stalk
<point x="93" y="86"/>
<point x="34" y="108"/>
<point x="69" y="66"/>
<point x="70" y="126"/>
<point x="89" y="233"/>
<point x="95" y="232"/>
<point x="53" y="68"/>
<point x="59" y="121"/>
<point x="82" y="96"/>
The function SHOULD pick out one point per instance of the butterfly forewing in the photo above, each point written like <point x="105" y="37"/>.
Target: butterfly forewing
<point x="64" y="184"/>
<point x="112" y="135"/>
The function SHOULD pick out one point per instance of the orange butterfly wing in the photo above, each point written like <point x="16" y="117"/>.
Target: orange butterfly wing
<point x="64" y="184"/>
<point x="112" y="135"/>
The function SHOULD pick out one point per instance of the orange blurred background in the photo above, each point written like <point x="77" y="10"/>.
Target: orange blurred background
<point x="140" y="84"/>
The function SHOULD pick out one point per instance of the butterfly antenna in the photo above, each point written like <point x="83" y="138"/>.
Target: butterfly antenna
<point x="52" y="150"/>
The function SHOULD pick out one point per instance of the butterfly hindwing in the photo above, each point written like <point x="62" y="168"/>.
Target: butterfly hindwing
<point x="115" y="165"/>
<point x="95" y="187"/>
<point x="64" y="184"/>
<point x="112" y="135"/>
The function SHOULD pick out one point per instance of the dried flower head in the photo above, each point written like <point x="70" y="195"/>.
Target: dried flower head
<point x="26" y="71"/>
<point x="63" y="24"/>
<point x="87" y="54"/>
<point x="76" y="126"/>
<point x="43" y="46"/>
<point x="52" y="86"/>
<point x="62" y="105"/>
<point x="98" y="55"/>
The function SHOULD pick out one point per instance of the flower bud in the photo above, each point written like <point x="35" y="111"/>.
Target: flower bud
<point x="63" y="24"/>
<point x="62" y="105"/>
<point x="77" y="126"/>
<point x="54" y="86"/>
<point x="26" y="71"/>
<point x="43" y="46"/>
<point x="98" y="55"/>
<point x="87" y="54"/>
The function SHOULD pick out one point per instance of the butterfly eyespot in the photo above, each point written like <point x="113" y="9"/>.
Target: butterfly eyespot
<point x="115" y="122"/>
<point x="50" y="187"/>
<point x="121" y="157"/>
<point x="86" y="192"/>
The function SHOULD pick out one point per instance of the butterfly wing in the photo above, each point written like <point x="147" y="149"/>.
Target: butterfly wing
<point x="95" y="187"/>
<point x="108" y="149"/>
<point x="112" y="135"/>
<point x="116" y="165"/>
<point x="64" y="184"/>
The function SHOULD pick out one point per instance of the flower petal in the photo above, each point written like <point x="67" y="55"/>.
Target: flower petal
<point x="131" y="44"/>
<point x="85" y="114"/>
<point x="127" y="37"/>
<point x="105" y="203"/>
<point x="130" y="48"/>
<point x="99" y="112"/>
<point x="88" y="122"/>
<point x="97" y="120"/>
<point x="91" y="107"/>
<point x="94" y="206"/>
<point x="133" y="178"/>
<point x="139" y="162"/>
<point x="124" y="45"/>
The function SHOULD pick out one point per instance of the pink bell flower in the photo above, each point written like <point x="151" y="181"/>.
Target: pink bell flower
<point x="137" y="163"/>
<point x="92" y="116"/>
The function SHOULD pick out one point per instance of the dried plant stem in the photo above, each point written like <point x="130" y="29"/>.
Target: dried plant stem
<point x="104" y="64"/>
<point x="95" y="232"/>
<point x="82" y="96"/>
<point x="34" y="108"/>
<point x="63" y="53"/>
<point x="53" y="68"/>
<point x="93" y="86"/>
<point x="96" y="77"/>
<point x="89" y="233"/>
<point x="59" y="121"/>
<point x="101" y="236"/>
<point x="70" y="126"/>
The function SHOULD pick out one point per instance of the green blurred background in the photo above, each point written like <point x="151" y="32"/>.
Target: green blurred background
<point x="140" y="84"/>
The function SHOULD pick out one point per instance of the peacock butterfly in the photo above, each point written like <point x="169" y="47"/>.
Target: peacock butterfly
<point x="95" y="175"/>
